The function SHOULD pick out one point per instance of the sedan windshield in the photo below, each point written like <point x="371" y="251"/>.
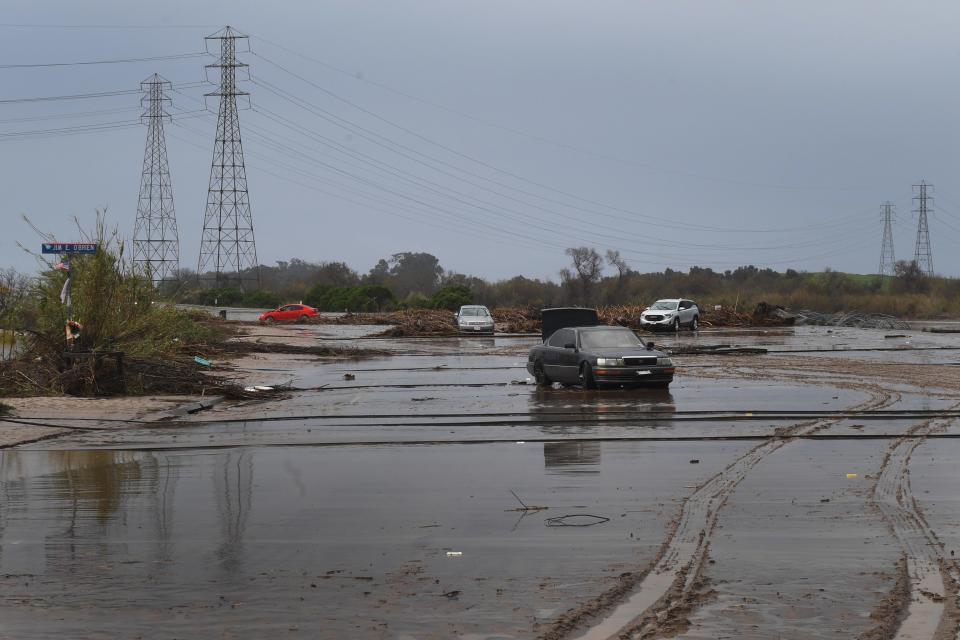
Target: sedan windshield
<point x="475" y="311"/>
<point x="609" y="339"/>
<point x="664" y="305"/>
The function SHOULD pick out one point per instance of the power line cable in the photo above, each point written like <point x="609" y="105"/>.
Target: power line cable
<point x="69" y="130"/>
<point x="385" y="142"/>
<point x="21" y="25"/>
<point x="270" y="138"/>
<point x="93" y="95"/>
<point x="80" y="114"/>
<point x="539" y="240"/>
<point x="549" y="225"/>
<point x="543" y="139"/>
<point x="402" y="195"/>
<point x="39" y="133"/>
<point x="454" y="227"/>
<point x="178" y="56"/>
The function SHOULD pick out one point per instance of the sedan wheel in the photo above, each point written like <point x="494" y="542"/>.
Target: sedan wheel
<point x="695" y="325"/>
<point x="270" y="320"/>
<point x="586" y="377"/>
<point x="676" y="324"/>
<point x="302" y="319"/>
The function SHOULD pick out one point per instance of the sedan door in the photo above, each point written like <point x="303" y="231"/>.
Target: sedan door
<point x="570" y="359"/>
<point x="552" y="354"/>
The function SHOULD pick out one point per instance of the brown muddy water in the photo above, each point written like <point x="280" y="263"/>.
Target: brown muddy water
<point x="383" y="506"/>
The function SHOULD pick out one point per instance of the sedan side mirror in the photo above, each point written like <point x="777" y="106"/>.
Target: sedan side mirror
<point x="650" y="345"/>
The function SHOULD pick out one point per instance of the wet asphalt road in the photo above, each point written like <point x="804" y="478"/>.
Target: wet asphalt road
<point x="381" y="507"/>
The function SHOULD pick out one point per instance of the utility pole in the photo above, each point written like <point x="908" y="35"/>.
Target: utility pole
<point x="923" y="256"/>
<point x="156" y="247"/>
<point x="227" y="247"/>
<point x="887" y="259"/>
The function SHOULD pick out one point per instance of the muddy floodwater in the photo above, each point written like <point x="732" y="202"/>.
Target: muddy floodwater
<point x="435" y="492"/>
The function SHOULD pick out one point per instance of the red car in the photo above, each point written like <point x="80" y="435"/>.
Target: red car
<point x="289" y="313"/>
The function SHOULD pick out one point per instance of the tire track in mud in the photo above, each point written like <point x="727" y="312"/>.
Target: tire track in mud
<point x="656" y="601"/>
<point x="933" y="578"/>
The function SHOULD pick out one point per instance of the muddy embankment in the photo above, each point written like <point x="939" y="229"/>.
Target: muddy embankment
<point x="34" y="407"/>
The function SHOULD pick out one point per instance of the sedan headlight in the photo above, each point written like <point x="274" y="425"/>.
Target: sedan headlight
<point x="664" y="362"/>
<point x="609" y="362"/>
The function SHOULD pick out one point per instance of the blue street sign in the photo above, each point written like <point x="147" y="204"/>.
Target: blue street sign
<point x="69" y="247"/>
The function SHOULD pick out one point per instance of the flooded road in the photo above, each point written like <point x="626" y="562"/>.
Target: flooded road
<point x="435" y="495"/>
<point x="332" y="541"/>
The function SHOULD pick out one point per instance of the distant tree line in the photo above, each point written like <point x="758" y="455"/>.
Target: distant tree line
<point x="418" y="280"/>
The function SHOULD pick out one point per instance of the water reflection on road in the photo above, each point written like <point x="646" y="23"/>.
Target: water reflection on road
<point x="338" y="542"/>
<point x="581" y="456"/>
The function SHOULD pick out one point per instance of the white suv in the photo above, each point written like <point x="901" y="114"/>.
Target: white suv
<point x="671" y="314"/>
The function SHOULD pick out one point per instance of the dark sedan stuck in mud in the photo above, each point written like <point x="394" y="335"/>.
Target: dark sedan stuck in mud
<point x="576" y="350"/>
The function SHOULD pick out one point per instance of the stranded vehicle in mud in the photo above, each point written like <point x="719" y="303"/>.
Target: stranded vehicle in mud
<point x="474" y="318"/>
<point x="576" y="350"/>
<point x="289" y="313"/>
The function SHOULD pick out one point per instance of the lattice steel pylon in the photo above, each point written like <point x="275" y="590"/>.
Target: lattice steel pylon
<point x="887" y="259"/>
<point x="156" y="247"/>
<point x="227" y="248"/>
<point x="923" y="255"/>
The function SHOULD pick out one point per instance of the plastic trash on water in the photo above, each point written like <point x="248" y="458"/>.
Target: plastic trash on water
<point x="201" y="361"/>
<point x="454" y="554"/>
<point x="851" y="475"/>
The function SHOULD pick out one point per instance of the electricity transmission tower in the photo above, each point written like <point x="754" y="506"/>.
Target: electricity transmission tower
<point x="887" y="259"/>
<point x="156" y="247"/>
<point x="227" y="247"/>
<point x="923" y="256"/>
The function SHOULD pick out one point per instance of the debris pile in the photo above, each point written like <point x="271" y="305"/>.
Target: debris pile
<point x="523" y="320"/>
<point x="713" y="349"/>
<point x="408" y="322"/>
<point x="763" y="315"/>
<point x="419" y="322"/>
<point x="850" y="319"/>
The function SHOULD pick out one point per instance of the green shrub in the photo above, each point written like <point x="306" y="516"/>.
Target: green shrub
<point x="451" y="298"/>
<point x="364" y="298"/>
<point x="261" y="299"/>
<point x="415" y="301"/>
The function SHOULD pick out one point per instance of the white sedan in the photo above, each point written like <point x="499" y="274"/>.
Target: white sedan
<point x="474" y="318"/>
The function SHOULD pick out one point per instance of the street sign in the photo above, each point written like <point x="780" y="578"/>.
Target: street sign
<point x="69" y="247"/>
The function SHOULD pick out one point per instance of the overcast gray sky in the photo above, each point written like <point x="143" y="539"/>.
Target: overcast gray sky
<point x="493" y="134"/>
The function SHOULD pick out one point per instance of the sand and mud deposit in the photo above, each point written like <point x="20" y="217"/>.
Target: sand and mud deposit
<point x="428" y="490"/>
